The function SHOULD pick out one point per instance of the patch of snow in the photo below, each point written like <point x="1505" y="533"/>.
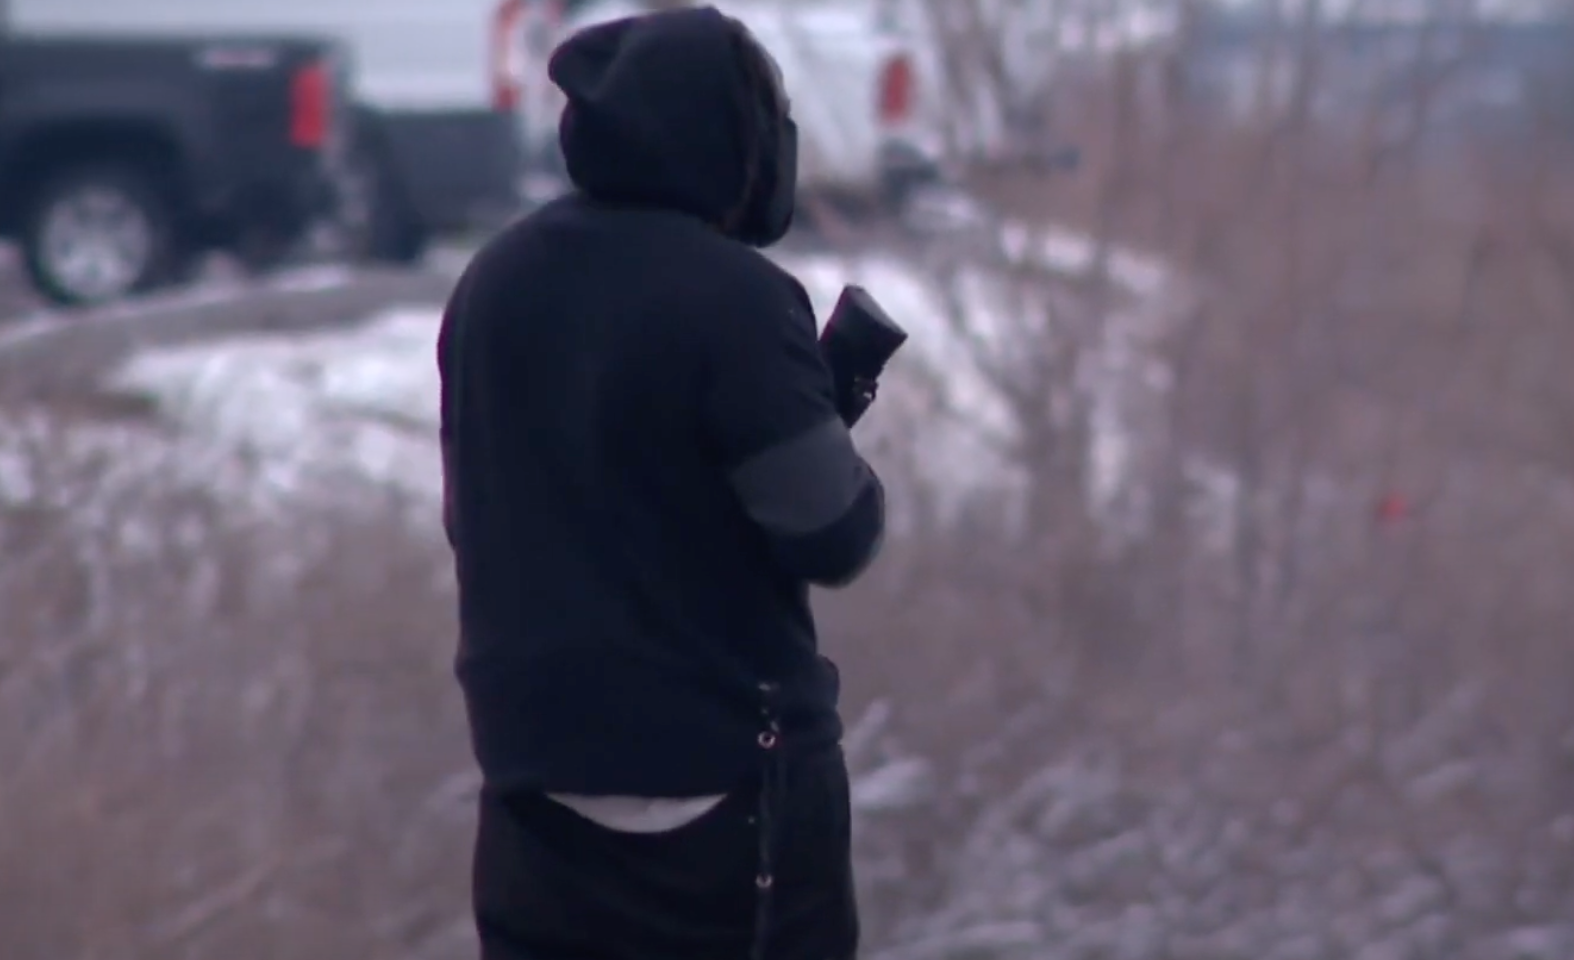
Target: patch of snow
<point x="449" y="260"/>
<point x="935" y="384"/>
<point x="893" y="786"/>
<point x="267" y="419"/>
<point x="105" y="474"/>
<point x="308" y="410"/>
<point x="364" y="401"/>
<point x="325" y="276"/>
<point x="1398" y="12"/>
<point x="1540" y="943"/>
<point x="1078" y="254"/>
<point x="965" y="337"/>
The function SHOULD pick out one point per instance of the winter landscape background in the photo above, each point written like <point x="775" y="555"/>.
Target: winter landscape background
<point x="1227" y="617"/>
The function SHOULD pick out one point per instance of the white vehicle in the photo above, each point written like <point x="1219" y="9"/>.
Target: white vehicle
<point x="855" y="89"/>
<point x="434" y="148"/>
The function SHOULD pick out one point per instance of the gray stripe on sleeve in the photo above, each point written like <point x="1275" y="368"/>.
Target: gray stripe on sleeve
<point x="804" y="484"/>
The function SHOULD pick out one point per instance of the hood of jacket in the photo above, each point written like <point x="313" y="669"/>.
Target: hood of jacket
<point x="667" y="110"/>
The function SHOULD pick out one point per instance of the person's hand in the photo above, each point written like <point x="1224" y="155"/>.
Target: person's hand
<point x="855" y="398"/>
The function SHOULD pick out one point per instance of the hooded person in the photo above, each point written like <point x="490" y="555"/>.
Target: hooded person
<point x="644" y="472"/>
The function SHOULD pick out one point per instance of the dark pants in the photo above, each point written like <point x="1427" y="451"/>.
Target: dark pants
<point x="552" y="885"/>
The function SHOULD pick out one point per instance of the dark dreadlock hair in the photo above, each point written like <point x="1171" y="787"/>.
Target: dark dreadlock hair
<point x="759" y="107"/>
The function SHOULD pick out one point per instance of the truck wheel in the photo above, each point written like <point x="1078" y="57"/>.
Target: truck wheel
<point x="378" y="223"/>
<point x="94" y="234"/>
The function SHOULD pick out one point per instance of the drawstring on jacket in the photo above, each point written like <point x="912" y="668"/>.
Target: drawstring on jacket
<point x="771" y="789"/>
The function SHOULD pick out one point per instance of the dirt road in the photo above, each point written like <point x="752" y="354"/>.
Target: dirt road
<point x="46" y="356"/>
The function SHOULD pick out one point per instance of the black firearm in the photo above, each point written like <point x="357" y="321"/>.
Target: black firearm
<point x="858" y="341"/>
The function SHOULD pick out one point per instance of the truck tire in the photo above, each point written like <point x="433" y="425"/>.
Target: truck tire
<point x="379" y="223"/>
<point x="97" y="232"/>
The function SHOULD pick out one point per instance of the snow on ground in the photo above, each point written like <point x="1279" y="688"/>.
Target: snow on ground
<point x="270" y="418"/>
<point x="309" y="412"/>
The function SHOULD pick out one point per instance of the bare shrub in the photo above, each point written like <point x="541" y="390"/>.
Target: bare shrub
<point x="222" y="736"/>
<point x="229" y="731"/>
<point x="1298" y="696"/>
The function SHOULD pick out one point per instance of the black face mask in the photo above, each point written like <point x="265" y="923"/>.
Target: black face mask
<point x="768" y="214"/>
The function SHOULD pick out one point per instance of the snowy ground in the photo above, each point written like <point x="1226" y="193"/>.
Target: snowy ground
<point x="270" y="417"/>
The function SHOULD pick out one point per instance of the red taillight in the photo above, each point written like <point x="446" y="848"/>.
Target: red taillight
<point x="520" y="29"/>
<point x="507" y="82"/>
<point x="896" y="90"/>
<point x="311" y="106"/>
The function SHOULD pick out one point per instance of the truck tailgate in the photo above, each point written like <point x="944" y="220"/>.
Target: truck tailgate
<point x="833" y="60"/>
<point x="836" y="62"/>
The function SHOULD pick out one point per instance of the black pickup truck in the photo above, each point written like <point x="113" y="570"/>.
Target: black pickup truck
<point x="124" y="160"/>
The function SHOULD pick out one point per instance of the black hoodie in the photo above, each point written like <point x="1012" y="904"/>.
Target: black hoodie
<point x="644" y="466"/>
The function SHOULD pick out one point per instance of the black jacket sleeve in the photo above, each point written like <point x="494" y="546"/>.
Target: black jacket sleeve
<point x="770" y="410"/>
